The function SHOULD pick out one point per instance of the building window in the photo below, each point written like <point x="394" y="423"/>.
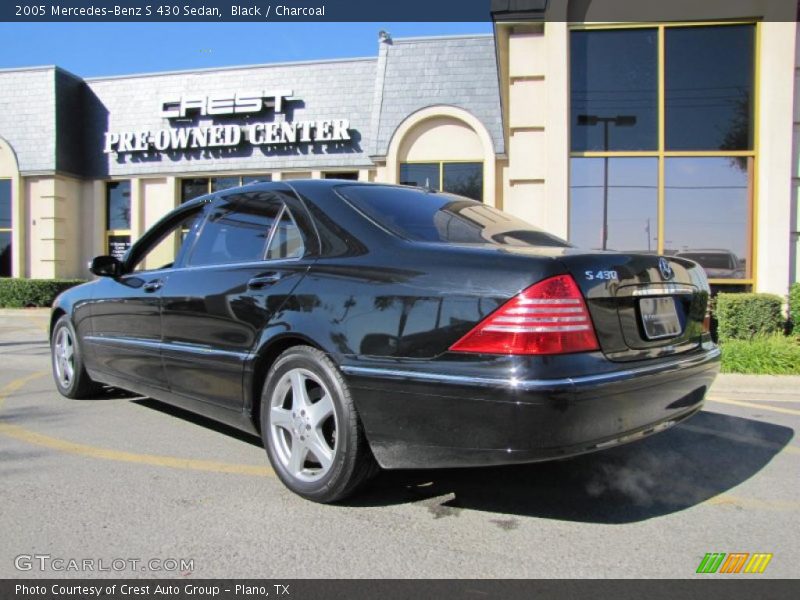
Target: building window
<point x="614" y="73"/>
<point x="193" y="187"/>
<point x="623" y="193"/>
<point x="708" y="87"/>
<point x="118" y="218"/>
<point x="662" y="152"/>
<point x="462" y="178"/>
<point x="349" y="175"/>
<point x="5" y="228"/>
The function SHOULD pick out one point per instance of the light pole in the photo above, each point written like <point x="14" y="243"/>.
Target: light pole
<point x="619" y="121"/>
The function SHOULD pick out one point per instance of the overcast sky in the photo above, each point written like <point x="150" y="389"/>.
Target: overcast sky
<point x="91" y="49"/>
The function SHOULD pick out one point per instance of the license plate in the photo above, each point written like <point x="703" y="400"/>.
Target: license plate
<point x="659" y="318"/>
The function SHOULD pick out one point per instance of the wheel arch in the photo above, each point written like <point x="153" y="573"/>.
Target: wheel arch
<point x="261" y="363"/>
<point x="54" y="317"/>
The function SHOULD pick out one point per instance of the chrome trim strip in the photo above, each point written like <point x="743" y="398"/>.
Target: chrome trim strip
<point x="166" y="346"/>
<point x="530" y="384"/>
<point x="115" y="341"/>
<point x="661" y="289"/>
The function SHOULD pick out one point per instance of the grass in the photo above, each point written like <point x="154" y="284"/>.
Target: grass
<point x="766" y="355"/>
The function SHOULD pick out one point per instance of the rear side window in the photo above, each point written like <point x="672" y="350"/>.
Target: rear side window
<point x="236" y="231"/>
<point x="444" y="218"/>
<point x="286" y="242"/>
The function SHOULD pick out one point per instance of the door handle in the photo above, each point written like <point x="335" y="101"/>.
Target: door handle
<point x="152" y="286"/>
<point x="263" y="280"/>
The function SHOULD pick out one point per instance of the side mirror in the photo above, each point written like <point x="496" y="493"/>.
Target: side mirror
<point x="105" y="266"/>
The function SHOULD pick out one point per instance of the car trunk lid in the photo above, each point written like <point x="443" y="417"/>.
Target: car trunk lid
<point x="642" y="305"/>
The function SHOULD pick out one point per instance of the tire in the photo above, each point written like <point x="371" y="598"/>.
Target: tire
<point x="70" y="375"/>
<point x="314" y="439"/>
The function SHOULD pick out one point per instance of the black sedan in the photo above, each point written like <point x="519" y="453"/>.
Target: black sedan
<point x="356" y="326"/>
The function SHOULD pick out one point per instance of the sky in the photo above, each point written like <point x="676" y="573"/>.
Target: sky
<point x="96" y="49"/>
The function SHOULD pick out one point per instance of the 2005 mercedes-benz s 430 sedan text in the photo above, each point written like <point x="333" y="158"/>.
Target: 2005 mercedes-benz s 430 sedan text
<point x="356" y="326"/>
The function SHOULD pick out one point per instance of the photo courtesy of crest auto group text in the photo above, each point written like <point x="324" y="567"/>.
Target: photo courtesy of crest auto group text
<point x="413" y="299"/>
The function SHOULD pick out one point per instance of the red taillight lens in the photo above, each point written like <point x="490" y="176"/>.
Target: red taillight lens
<point x="549" y="317"/>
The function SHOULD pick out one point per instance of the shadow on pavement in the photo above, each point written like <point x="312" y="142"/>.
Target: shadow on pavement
<point x="663" y="474"/>
<point x="38" y="343"/>
<point x="199" y="420"/>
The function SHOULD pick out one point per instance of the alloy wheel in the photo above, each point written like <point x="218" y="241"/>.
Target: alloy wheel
<point x="303" y="425"/>
<point x="64" y="354"/>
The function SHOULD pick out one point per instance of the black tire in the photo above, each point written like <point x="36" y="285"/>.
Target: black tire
<point x="79" y="384"/>
<point x="352" y="463"/>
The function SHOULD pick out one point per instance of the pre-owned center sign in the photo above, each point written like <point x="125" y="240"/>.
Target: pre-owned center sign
<point x="232" y="104"/>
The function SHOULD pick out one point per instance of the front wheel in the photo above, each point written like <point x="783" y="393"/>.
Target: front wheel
<point x="310" y="427"/>
<point x="70" y="376"/>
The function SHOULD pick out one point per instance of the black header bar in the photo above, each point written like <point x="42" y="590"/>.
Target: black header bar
<point x="211" y="11"/>
<point x="395" y="589"/>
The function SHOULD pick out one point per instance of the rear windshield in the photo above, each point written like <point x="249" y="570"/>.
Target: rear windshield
<point x="445" y="218"/>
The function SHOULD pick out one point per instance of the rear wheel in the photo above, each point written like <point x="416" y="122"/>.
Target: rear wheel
<point x="70" y="376"/>
<point x="310" y="427"/>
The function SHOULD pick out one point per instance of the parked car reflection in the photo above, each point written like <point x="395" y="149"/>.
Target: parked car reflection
<point x="718" y="263"/>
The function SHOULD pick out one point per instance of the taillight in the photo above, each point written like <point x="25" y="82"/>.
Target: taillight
<point x="550" y="317"/>
<point x="707" y="322"/>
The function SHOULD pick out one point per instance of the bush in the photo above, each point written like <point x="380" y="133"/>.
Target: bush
<point x="744" y="316"/>
<point x="19" y="293"/>
<point x="794" y="306"/>
<point x="763" y="355"/>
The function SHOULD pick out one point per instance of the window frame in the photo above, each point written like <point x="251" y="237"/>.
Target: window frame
<point x="154" y="236"/>
<point x="662" y="154"/>
<point x="209" y="185"/>
<point x="197" y="231"/>
<point x="10" y="230"/>
<point x="109" y="233"/>
<point x="441" y="164"/>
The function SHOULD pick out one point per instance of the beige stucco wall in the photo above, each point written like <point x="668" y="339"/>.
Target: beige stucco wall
<point x="151" y="199"/>
<point x="442" y="138"/>
<point x="537" y="115"/>
<point x="154" y="198"/>
<point x="774" y="145"/>
<point x="54" y="210"/>
<point x="289" y="175"/>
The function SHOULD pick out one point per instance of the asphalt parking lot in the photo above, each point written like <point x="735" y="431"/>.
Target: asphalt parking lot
<point x="120" y="477"/>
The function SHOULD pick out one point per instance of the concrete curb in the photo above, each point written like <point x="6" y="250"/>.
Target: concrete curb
<point x="24" y="312"/>
<point x="757" y="385"/>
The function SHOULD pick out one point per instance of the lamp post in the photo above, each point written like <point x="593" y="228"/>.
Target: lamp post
<point x="619" y="121"/>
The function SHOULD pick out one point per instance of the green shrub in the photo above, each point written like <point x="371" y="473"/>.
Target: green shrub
<point x="763" y="355"/>
<point x="794" y="306"/>
<point x="19" y="293"/>
<point x="744" y="316"/>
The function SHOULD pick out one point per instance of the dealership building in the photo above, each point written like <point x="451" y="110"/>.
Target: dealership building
<point x="671" y="136"/>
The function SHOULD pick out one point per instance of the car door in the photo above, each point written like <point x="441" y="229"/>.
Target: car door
<point x="125" y="315"/>
<point x="248" y="257"/>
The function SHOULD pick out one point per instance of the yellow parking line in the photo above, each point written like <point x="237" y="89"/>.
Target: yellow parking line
<point x="172" y="462"/>
<point x="777" y="409"/>
<point x="793" y="398"/>
<point x="776" y="505"/>
<point x="18" y="383"/>
<point x="32" y="437"/>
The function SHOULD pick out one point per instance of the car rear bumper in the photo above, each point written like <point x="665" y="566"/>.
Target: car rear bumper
<point x="435" y="415"/>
